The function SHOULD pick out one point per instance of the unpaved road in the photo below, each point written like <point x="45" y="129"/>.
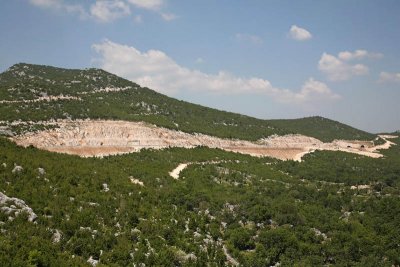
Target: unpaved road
<point x="175" y="172"/>
<point x="100" y="138"/>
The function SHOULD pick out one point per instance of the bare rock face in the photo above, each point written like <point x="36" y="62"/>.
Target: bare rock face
<point x="290" y="141"/>
<point x="5" y="131"/>
<point x="106" y="188"/>
<point x="100" y="138"/>
<point x="14" y="206"/>
<point x="93" y="261"/>
<point x="136" y="181"/>
<point x="57" y="235"/>
<point x="17" y="169"/>
<point x="124" y="134"/>
<point x="41" y="171"/>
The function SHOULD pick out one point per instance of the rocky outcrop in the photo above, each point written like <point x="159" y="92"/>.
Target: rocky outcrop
<point x="17" y="169"/>
<point x="57" y="235"/>
<point x="4" y="130"/>
<point x="13" y="207"/>
<point x="41" y="171"/>
<point x="136" y="181"/>
<point x="290" y="141"/>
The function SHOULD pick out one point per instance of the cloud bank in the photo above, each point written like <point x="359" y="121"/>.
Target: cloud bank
<point x="106" y="10"/>
<point x="340" y="68"/>
<point x="358" y="54"/>
<point x="387" y="77"/>
<point x="158" y="71"/>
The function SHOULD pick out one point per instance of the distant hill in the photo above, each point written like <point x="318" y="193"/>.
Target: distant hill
<point x="322" y="128"/>
<point x="36" y="92"/>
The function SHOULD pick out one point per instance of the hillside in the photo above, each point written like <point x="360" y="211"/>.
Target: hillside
<point x="222" y="210"/>
<point x="40" y="93"/>
<point x="189" y="195"/>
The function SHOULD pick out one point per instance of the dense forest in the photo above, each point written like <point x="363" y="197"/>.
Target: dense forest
<point x="224" y="209"/>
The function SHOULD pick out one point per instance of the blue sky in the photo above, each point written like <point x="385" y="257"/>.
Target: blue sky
<point x="268" y="59"/>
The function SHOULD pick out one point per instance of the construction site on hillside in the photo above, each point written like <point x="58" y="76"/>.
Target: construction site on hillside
<point x="100" y="138"/>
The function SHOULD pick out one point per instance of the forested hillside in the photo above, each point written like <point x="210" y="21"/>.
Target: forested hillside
<point x="220" y="209"/>
<point x="225" y="208"/>
<point x="34" y="92"/>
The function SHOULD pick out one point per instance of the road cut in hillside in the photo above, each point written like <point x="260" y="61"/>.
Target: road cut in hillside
<point x="88" y="138"/>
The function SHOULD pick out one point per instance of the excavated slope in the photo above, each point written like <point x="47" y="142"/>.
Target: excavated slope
<point x="100" y="138"/>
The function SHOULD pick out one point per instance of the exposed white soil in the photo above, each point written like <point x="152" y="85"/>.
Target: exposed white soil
<point x="49" y="98"/>
<point x="101" y="138"/>
<point x="57" y="235"/>
<point x="175" y="172"/>
<point x="229" y="258"/>
<point x="364" y="148"/>
<point x="93" y="261"/>
<point x="360" y="187"/>
<point x="106" y="90"/>
<point x="136" y="181"/>
<point x="42" y="98"/>
<point x="388" y="143"/>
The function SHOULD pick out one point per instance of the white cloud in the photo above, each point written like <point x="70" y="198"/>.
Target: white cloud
<point x="248" y="38"/>
<point x="155" y="6"/>
<point x="315" y="90"/>
<point x="109" y="10"/>
<point x="60" y="5"/>
<point x="358" y="54"/>
<point x="168" y="16"/>
<point x="339" y="70"/>
<point x="148" y="4"/>
<point x="158" y="71"/>
<point x="299" y="34"/>
<point x="387" y="77"/>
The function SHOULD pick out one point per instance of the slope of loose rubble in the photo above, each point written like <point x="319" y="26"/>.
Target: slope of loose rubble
<point x="100" y="138"/>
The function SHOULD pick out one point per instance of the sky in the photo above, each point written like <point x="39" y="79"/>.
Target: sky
<point x="268" y="59"/>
